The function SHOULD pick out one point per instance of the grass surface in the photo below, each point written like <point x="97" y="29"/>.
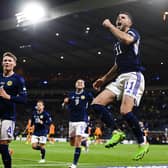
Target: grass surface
<point x="60" y="155"/>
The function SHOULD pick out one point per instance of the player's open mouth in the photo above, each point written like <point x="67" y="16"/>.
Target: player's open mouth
<point x="119" y="24"/>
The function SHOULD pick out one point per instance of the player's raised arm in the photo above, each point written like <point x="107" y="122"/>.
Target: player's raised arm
<point x="117" y="30"/>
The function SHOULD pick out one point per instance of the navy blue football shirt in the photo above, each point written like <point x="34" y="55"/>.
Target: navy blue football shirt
<point x="127" y="57"/>
<point x="14" y="85"/>
<point x="41" y="129"/>
<point x="78" y="105"/>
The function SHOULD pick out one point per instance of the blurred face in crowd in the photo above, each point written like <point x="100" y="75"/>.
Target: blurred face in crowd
<point x="80" y="84"/>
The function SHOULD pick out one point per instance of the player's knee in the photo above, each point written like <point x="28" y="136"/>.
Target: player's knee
<point x="77" y="144"/>
<point x="34" y="146"/>
<point x="125" y="110"/>
<point x="100" y="100"/>
<point x="42" y="146"/>
<point x="97" y="101"/>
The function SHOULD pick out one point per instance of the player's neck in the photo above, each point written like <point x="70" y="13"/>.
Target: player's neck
<point x="8" y="73"/>
<point x="126" y="29"/>
<point x="39" y="111"/>
<point x="79" y="91"/>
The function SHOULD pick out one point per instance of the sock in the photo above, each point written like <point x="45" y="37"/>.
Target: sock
<point x="6" y="158"/>
<point x="105" y="115"/>
<point x="134" y="124"/>
<point x="83" y="143"/>
<point x="43" y="151"/>
<point x="37" y="148"/>
<point x="76" y="155"/>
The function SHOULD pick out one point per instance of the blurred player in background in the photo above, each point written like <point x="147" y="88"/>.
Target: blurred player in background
<point x="41" y="121"/>
<point x="12" y="91"/>
<point x="129" y="84"/>
<point x="51" y="134"/>
<point x="144" y="130"/>
<point x="29" y="130"/>
<point x="98" y="134"/>
<point x="78" y="102"/>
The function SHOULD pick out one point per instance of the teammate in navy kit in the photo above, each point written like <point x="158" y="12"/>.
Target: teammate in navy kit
<point x="129" y="83"/>
<point x="12" y="91"/>
<point x="78" y="102"/>
<point x="41" y="121"/>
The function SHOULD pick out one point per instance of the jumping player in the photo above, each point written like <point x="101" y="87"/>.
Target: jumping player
<point x="129" y="84"/>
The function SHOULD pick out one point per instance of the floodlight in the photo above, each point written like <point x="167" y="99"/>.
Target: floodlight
<point x="32" y="13"/>
<point x="165" y="15"/>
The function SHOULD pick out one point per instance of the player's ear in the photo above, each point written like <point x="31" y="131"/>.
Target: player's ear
<point x="130" y="23"/>
<point x="15" y="64"/>
<point x="84" y="84"/>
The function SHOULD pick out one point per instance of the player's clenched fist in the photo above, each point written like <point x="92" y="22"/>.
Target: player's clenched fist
<point x="107" y="23"/>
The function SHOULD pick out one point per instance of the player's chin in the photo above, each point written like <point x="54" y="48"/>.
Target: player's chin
<point x="118" y="27"/>
<point x="7" y="68"/>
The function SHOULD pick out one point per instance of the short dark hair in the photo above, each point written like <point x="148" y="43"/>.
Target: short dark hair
<point x="126" y="13"/>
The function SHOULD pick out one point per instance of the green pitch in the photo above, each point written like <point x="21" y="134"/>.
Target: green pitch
<point x="60" y="155"/>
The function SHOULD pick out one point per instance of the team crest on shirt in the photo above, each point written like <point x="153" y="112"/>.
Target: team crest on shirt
<point x="82" y="97"/>
<point x="41" y="117"/>
<point x="9" y="83"/>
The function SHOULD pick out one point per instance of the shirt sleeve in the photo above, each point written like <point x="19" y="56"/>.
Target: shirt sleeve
<point x="91" y="97"/>
<point x="21" y="97"/>
<point x="134" y="34"/>
<point x="48" y="119"/>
